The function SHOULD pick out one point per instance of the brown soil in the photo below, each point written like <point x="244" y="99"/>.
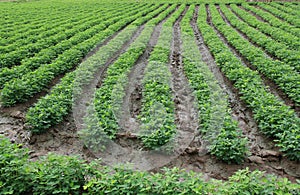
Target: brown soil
<point x="63" y="138"/>
<point x="185" y="111"/>
<point x="88" y="91"/>
<point x="132" y="101"/>
<point x="131" y="106"/>
<point x="127" y="148"/>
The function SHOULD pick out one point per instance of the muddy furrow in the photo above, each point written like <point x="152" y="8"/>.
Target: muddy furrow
<point x="186" y="114"/>
<point x="12" y="119"/>
<point x="240" y="112"/>
<point x="62" y="142"/>
<point x="88" y="91"/>
<point x="67" y="142"/>
<point x="132" y="101"/>
<point x="127" y="147"/>
<point x="264" y="155"/>
<point x="271" y="86"/>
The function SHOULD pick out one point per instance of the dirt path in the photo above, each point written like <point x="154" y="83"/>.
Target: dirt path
<point x="240" y="112"/>
<point x="88" y="91"/>
<point x="125" y="150"/>
<point x="132" y="101"/>
<point x="61" y="138"/>
<point x="185" y="111"/>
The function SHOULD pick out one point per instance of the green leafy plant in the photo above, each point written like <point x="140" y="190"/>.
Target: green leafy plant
<point x="215" y="124"/>
<point x="274" y="118"/>
<point x="272" y="46"/>
<point x="157" y="112"/>
<point x="57" y="175"/>
<point x="23" y="88"/>
<point x="14" y="175"/>
<point x="273" y="20"/>
<point x="54" y="174"/>
<point x="294" y="20"/>
<point x="282" y="74"/>
<point x="63" y="42"/>
<point x="51" y="109"/>
<point x="120" y="68"/>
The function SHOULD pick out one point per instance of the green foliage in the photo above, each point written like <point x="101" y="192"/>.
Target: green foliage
<point x="294" y="20"/>
<point x="256" y="182"/>
<point x="278" y="49"/>
<point x="14" y="176"/>
<point x="59" y="42"/>
<point x="282" y="74"/>
<point x="50" y="175"/>
<point x="55" y="174"/>
<point x="119" y="69"/>
<point x="229" y="145"/>
<point x="215" y="123"/>
<point x="273" y="20"/>
<point x="157" y="113"/>
<point x="51" y="109"/>
<point x="280" y="35"/>
<point x="274" y="118"/>
<point x="103" y="102"/>
<point x="285" y="9"/>
<point x="21" y="89"/>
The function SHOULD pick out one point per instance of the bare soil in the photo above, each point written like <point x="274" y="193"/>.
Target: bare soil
<point x="127" y="148"/>
<point x="185" y="111"/>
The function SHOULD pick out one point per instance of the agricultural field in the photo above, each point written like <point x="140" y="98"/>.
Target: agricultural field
<point x="210" y="87"/>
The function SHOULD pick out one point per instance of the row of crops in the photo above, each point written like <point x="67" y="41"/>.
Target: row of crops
<point x="80" y="58"/>
<point x="34" y="52"/>
<point x="69" y="175"/>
